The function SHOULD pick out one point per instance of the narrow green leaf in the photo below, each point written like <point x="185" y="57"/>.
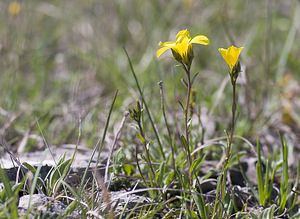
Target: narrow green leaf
<point x="184" y="142"/>
<point x="31" y="168"/>
<point x="197" y="164"/>
<point x="160" y="173"/>
<point x="12" y="204"/>
<point x="59" y="172"/>
<point x="268" y="213"/>
<point x="198" y="198"/>
<point x="259" y="175"/>
<point x="169" y="178"/>
<point x="266" y="185"/>
<point x="128" y="169"/>
<point x="141" y="138"/>
<point x="284" y="178"/>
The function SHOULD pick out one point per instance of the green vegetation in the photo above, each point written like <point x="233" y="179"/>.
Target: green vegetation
<point x="178" y="133"/>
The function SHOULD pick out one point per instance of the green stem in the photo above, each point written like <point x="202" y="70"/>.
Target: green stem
<point x="221" y="188"/>
<point x="186" y="116"/>
<point x="229" y="146"/>
<point x="162" y="96"/>
<point x="146" y="106"/>
<point x="186" y="111"/>
<point x="153" y="183"/>
<point x="146" y="149"/>
<point x="233" y="111"/>
<point x="138" y="165"/>
<point x="99" y="145"/>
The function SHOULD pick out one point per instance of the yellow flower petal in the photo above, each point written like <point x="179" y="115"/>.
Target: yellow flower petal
<point x="182" y="48"/>
<point x="183" y="34"/>
<point x="231" y="55"/>
<point x="224" y="53"/>
<point x="235" y="52"/>
<point x="200" y="39"/>
<point x="164" y="47"/>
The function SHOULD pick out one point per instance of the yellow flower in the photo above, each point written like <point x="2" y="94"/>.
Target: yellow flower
<point x="231" y="56"/>
<point x="182" y="48"/>
<point x="14" y="8"/>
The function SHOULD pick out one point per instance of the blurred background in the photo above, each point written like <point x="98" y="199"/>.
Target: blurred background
<point x="62" y="61"/>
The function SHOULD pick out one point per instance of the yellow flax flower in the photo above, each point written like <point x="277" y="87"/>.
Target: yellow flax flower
<point x="182" y="48"/>
<point x="231" y="56"/>
<point x="14" y="8"/>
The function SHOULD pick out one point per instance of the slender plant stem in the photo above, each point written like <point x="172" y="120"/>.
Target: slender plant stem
<point x="100" y="143"/>
<point x="186" y="111"/>
<point x="221" y="189"/>
<point x="112" y="149"/>
<point x="146" y="149"/>
<point x="233" y="111"/>
<point x="187" y="118"/>
<point x="138" y="165"/>
<point x="230" y="140"/>
<point x="232" y="126"/>
<point x="148" y="160"/>
<point x="162" y="99"/>
<point x="146" y="106"/>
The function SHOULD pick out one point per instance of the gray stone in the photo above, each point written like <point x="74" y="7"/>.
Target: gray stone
<point x="42" y="205"/>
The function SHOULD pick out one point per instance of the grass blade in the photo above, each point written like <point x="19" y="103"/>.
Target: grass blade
<point x="259" y="175"/>
<point x="12" y="205"/>
<point x="285" y="177"/>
